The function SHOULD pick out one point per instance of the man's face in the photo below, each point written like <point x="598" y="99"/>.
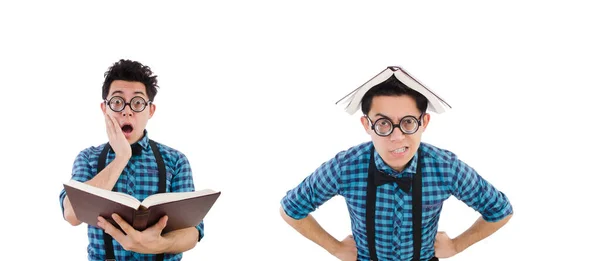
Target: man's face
<point x="132" y="123"/>
<point x="398" y="148"/>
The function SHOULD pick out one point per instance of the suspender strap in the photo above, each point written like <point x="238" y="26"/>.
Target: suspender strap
<point x="162" y="185"/>
<point x="416" y="210"/>
<point x="108" y="246"/>
<point x="162" y="171"/>
<point x="370" y="210"/>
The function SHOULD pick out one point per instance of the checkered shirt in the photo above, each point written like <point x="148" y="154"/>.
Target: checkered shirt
<point x="139" y="179"/>
<point x="444" y="175"/>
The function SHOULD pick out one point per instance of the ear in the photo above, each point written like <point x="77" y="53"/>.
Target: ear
<point x="365" y="123"/>
<point x="426" y="118"/>
<point x="152" y="109"/>
<point x="103" y="107"/>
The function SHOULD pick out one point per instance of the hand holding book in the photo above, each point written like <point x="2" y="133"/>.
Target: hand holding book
<point x="148" y="241"/>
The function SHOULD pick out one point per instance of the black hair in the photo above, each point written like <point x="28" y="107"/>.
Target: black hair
<point x="132" y="71"/>
<point x="392" y="87"/>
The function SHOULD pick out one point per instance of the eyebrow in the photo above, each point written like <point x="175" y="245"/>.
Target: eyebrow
<point x="385" y="116"/>
<point x="121" y="92"/>
<point x="379" y="114"/>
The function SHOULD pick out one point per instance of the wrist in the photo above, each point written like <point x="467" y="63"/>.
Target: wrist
<point x="161" y="246"/>
<point x="333" y="246"/>
<point x="122" y="159"/>
<point x="458" y="244"/>
<point x="164" y="244"/>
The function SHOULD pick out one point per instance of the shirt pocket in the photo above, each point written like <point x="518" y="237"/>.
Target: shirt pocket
<point x="149" y="177"/>
<point x="431" y="210"/>
<point x="146" y="182"/>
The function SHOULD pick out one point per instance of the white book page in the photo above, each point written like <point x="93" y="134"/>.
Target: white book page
<point x="161" y="198"/>
<point x="435" y="102"/>
<point x="356" y="98"/>
<point x="118" y="197"/>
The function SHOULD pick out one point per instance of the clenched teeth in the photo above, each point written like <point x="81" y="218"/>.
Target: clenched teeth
<point x="400" y="150"/>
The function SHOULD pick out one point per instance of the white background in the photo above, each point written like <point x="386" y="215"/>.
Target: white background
<point x="247" y="92"/>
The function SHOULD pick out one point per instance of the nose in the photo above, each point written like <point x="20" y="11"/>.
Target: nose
<point x="397" y="134"/>
<point x="127" y="111"/>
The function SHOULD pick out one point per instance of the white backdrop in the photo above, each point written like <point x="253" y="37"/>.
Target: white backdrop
<point x="248" y="91"/>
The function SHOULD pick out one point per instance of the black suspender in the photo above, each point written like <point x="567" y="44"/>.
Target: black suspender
<point x="162" y="185"/>
<point x="108" y="246"/>
<point x="416" y="209"/>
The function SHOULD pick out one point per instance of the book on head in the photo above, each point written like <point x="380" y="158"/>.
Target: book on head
<point x="184" y="209"/>
<point x="353" y="99"/>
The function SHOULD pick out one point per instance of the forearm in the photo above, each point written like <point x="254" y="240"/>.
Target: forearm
<point x="106" y="179"/>
<point x="179" y="241"/>
<point x="477" y="232"/>
<point x="310" y="228"/>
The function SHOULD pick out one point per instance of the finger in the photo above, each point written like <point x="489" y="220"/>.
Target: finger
<point x="109" y="126"/>
<point x="129" y="230"/>
<point x="110" y="229"/>
<point x="351" y="237"/>
<point x="116" y="126"/>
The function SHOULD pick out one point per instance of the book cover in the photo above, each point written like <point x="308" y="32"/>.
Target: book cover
<point x="185" y="209"/>
<point x="353" y="100"/>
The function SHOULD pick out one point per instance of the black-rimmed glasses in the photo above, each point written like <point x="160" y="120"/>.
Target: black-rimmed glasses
<point x="137" y="103"/>
<point x="385" y="126"/>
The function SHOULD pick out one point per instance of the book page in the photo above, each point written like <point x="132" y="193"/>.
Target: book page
<point x="161" y="198"/>
<point x="118" y="197"/>
<point x="435" y="103"/>
<point x="355" y="99"/>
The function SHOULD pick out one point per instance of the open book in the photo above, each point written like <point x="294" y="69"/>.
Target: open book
<point x="185" y="209"/>
<point x="353" y="99"/>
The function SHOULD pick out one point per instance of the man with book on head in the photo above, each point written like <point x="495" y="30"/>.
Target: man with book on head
<point x="395" y="184"/>
<point x="132" y="163"/>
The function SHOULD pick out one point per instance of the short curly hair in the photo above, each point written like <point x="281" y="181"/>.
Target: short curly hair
<point x="132" y="71"/>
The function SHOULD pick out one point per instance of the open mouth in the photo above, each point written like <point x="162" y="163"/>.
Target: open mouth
<point x="127" y="128"/>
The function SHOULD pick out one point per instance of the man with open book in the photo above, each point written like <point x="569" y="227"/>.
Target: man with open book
<point x="395" y="184"/>
<point x="133" y="164"/>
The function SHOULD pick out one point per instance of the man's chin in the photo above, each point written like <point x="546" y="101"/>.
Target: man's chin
<point x="132" y="137"/>
<point x="398" y="164"/>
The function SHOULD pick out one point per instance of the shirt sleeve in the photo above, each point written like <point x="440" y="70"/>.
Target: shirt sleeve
<point x="472" y="189"/>
<point x="82" y="172"/>
<point x="183" y="181"/>
<point x="314" y="190"/>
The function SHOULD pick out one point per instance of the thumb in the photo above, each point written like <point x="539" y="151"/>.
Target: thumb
<point x="161" y="224"/>
<point x="439" y="234"/>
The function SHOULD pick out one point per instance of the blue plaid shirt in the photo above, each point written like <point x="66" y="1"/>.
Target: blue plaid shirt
<point x="139" y="179"/>
<point x="444" y="175"/>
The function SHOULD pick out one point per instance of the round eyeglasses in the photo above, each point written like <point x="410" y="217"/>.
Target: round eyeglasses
<point x="137" y="103"/>
<point x="384" y="126"/>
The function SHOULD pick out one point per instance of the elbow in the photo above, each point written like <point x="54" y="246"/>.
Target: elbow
<point x="507" y="218"/>
<point x="284" y="215"/>
<point x="71" y="218"/>
<point x="288" y="219"/>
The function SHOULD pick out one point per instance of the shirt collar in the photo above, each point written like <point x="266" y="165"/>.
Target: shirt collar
<point x="411" y="167"/>
<point x="144" y="141"/>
